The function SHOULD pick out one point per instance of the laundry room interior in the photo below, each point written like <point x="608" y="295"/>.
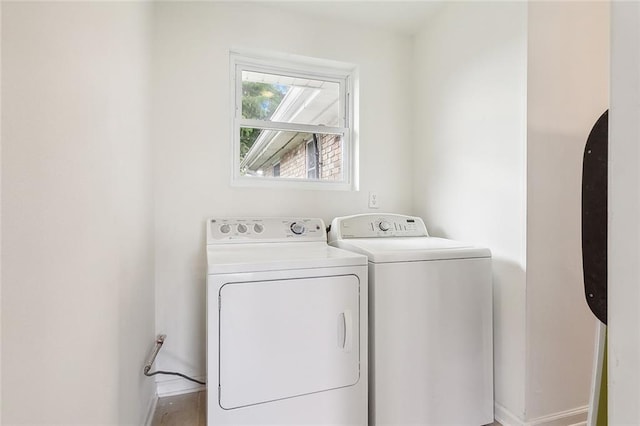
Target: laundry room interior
<point x="117" y="147"/>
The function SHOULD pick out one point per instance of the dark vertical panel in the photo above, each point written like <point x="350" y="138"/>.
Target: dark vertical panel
<point x="594" y="217"/>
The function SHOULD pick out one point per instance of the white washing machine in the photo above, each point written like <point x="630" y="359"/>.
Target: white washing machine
<point x="430" y="329"/>
<point x="286" y="325"/>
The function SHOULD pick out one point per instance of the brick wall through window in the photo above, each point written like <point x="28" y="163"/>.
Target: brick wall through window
<point x="293" y="164"/>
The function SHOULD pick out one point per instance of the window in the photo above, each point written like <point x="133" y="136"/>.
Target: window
<point x="292" y="122"/>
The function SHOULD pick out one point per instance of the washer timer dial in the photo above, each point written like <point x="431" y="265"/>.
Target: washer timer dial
<point x="297" y="228"/>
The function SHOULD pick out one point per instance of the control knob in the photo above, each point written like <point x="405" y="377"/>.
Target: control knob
<point x="297" y="228"/>
<point x="225" y="229"/>
<point x="258" y="228"/>
<point x="384" y="226"/>
<point x="242" y="228"/>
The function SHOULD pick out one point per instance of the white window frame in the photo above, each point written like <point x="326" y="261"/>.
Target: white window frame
<point x="343" y="74"/>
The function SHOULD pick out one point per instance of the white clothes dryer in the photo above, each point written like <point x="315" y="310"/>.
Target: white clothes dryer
<point x="430" y="329"/>
<point x="286" y="325"/>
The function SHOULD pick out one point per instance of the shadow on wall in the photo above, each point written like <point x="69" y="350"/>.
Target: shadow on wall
<point x="507" y="275"/>
<point x="509" y="333"/>
<point x="435" y="231"/>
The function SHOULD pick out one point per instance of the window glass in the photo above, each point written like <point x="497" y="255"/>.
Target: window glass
<point x="290" y="99"/>
<point x="294" y="155"/>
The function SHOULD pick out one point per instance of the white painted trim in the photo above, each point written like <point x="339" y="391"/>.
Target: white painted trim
<point x="293" y="183"/>
<point x="151" y="411"/>
<point x="574" y="417"/>
<point x="290" y="127"/>
<point x="179" y="386"/>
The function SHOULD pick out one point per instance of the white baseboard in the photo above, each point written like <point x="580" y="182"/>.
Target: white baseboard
<point x="574" y="417"/>
<point x="169" y="388"/>
<point x="152" y="409"/>
<point x="506" y="417"/>
<point x="179" y="386"/>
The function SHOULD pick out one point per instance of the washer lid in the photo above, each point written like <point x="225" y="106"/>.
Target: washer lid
<point x="411" y="249"/>
<point x="225" y="259"/>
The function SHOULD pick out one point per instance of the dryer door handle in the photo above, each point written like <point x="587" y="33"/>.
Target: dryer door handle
<point x="345" y="330"/>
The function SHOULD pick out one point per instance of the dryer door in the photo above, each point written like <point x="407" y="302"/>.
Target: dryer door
<point x="286" y="338"/>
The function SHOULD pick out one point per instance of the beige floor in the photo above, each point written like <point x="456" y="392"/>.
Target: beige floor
<point x="187" y="410"/>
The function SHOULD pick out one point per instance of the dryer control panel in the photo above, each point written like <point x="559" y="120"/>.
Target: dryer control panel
<point x="264" y="230"/>
<point x="376" y="226"/>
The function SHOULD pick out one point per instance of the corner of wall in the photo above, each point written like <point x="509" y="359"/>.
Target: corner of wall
<point x="153" y="403"/>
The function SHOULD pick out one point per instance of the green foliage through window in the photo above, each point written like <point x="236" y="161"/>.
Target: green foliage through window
<point x="259" y="102"/>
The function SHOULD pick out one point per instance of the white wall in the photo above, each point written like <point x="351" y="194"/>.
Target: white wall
<point x="191" y="136"/>
<point x="469" y="156"/>
<point x="77" y="239"/>
<point x="624" y="210"/>
<point x="568" y="77"/>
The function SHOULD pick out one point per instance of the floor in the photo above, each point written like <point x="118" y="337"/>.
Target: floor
<point x="188" y="410"/>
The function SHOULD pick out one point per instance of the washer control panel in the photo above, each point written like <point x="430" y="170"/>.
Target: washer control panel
<point x="377" y="226"/>
<point x="261" y="229"/>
